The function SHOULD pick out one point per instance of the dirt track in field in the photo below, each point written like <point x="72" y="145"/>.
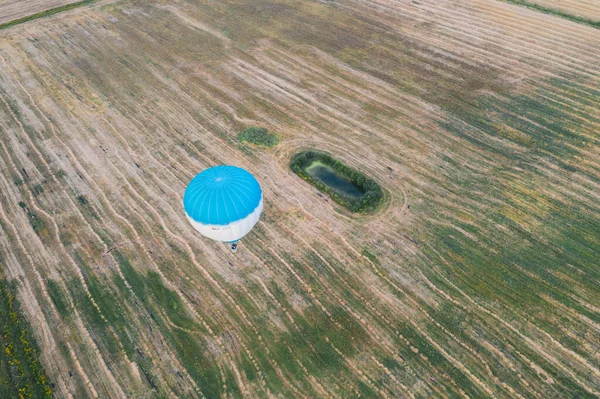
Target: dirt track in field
<point x="477" y="278"/>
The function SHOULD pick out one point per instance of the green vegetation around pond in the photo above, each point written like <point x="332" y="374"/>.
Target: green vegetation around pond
<point x="258" y="136"/>
<point x="346" y="186"/>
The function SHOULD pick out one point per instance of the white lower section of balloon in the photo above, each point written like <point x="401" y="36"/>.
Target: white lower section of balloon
<point x="229" y="232"/>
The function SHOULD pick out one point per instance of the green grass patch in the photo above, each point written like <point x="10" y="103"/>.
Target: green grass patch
<point x="38" y="189"/>
<point x="45" y="13"/>
<point x="135" y="279"/>
<point x="58" y="297"/>
<point x="196" y="358"/>
<point x="87" y="206"/>
<point x="436" y="359"/>
<point x="113" y="311"/>
<point x="366" y="391"/>
<point x="151" y="285"/>
<point x="169" y="301"/>
<point x="97" y="326"/>
<point x="372" y="257"/>
<point x="36" y="223"/>
<point x="150" y="290"/>
<point x="370" y="196"/>
<point x="310" y="346"/>
<point x="258" y="136"/>
<point x="21" y="374"/>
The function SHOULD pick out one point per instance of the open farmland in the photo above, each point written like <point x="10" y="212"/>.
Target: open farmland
<point x="478" y="277"/>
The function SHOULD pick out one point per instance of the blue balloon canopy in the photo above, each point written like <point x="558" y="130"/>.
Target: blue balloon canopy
<point x="222" y="195"/>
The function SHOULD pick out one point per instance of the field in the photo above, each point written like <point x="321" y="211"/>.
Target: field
<point x="477" y="278"/>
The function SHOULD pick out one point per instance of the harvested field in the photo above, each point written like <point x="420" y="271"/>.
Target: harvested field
<point x="478" y="278"/>
<point x="11" y="10"/>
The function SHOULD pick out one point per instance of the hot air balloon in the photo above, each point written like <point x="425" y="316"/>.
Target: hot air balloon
<point x="223" y="203"/>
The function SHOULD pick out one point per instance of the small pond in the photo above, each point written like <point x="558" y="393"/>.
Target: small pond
<point x="328" y="176"/>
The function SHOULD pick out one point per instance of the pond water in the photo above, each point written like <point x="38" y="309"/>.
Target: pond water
<point x="328" y="176"/>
